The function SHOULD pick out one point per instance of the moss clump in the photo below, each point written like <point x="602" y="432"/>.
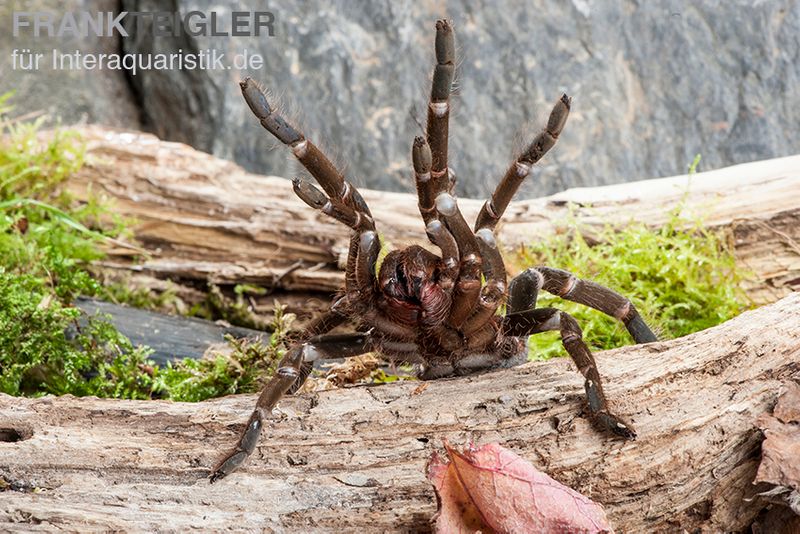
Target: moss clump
<point x="47" y="242"/>
<point x="244" y="370"/>
<point x="682" y="277"/>
<point x="236" y="310"/>
<point x="127" y="292"/>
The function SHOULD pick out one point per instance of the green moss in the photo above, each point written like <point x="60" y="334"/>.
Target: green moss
<point x="46" y="241"/>
<point x="682" y="277"/>
<point x="235" y="310"/>
<point x="244" y="370"/>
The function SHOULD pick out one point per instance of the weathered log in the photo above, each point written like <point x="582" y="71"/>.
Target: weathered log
<point x="206" y="219"/>
<point x="352" y="460"/>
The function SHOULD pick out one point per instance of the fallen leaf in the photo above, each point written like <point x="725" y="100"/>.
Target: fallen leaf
<point x="490" y="489"/>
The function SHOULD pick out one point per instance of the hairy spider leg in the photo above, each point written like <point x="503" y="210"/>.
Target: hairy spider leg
<point x="321" y="325"/>
<point x="478" y="329"/>
<point x="434" y="182"/>
<point x="439" y="105"/>
<point x="468" y="286"/>
<point x="365" y="245"/>
<point x="540" y="320"/>
<point x="287" y="374"/>
<point x="421" y="159"/>
<point x="567" y="286"/>
<point x="312" y="158"/>
<point x="438" y="234"/>
<point x="493" y="209"/>
<point x="343" y="201"/>
<point x="523" y="291"/>
<point x="479" y="324"/>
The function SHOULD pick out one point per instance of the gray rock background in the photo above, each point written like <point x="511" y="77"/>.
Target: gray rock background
<point x="653" y="84"/>
<point x="69" y="96"/>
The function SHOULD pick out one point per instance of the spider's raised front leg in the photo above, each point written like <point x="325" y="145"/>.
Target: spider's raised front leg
<point x="535" y="321"/>
<point x="422" y="160"/>
<point x="433" y="184"/>
<point x="437" y="130"/>
<point x="494" y="208"/>
<point x="312" y="158"/>
<point x="289" y="372"/>
<point x="341" y="199"/>
<point x="479" y="327"/>
<point x="365" y="245"/>
<point x="468" y="286"/>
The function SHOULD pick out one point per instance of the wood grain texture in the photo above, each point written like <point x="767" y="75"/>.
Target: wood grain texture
<point x="205" y="219"/>
<point x="353" y="459"/>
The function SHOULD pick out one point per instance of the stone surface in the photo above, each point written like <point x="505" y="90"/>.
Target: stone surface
<point x="654" y="83"/>
<point x="171" y="337"/>
<point x="67" y="96"/>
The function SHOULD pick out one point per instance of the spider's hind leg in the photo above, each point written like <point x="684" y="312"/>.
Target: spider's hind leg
<point x="569" y="287"/>
<point x="540" y="320"/>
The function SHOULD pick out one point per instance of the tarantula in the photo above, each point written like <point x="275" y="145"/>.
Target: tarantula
<point x="436" y="311"/>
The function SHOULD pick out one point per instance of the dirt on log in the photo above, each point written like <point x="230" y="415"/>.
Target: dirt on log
<point x="353" y="459"/>
<point x="203" y="219"/>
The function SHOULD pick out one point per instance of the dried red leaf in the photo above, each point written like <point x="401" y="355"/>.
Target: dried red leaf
<point x="490" y="489"/>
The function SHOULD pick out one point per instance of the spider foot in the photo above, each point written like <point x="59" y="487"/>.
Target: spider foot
<point x="227" y="466"/>
<point x="609" y="421"/>
<point x="216" y="475"/>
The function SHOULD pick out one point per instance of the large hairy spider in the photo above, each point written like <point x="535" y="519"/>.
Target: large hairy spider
<point x="436" y="311"/>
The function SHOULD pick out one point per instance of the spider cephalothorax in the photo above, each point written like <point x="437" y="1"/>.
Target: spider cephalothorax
<point x="438" y="311"/>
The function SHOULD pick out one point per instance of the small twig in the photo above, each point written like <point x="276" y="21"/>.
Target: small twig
<point x="786" y="238"/>
<point x="21" y="118"/>
<point x="317" y="267"/>
<point x="289" y="270"/>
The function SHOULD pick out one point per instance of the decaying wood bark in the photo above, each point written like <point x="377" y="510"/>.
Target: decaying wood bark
<point x="352" y="460"/>
<point x="205" y="219"/>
